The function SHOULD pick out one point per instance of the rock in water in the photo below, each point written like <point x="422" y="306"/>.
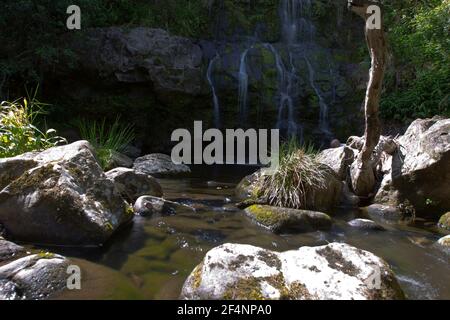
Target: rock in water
<point x="384" y="213"/>
<point x="133" y="185"/>
<point x="365" y="224"/>
<point x="419" y="173"/>
<point x="159" y="165"/>
<point x="444" y="221"/>
<point x="280" y="220"/>
<point x="33" y="277"/>
<point x="60" y="196"/>
<point x="332" y="272"/>
<point x="9" y="250"/>
<point x="148" y="205"/>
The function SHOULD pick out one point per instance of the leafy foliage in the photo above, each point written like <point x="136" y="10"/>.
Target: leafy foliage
<point x="18" y="131"/>
<point x="418" y="84"/>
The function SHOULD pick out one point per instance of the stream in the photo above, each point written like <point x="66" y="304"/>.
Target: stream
<point x="152" y="258"/>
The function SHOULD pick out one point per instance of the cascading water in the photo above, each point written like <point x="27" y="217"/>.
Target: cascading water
<point x="243" y="88"/>
<point x="213" y="90"/>
<point x="298" y="34"/>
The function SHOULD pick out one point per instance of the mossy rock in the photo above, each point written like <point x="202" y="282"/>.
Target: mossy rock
<point x="444" y="222"/>
<point x="280" y="220"/>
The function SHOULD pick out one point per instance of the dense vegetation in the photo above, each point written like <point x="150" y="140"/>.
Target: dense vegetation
<point x="417" y="84"/>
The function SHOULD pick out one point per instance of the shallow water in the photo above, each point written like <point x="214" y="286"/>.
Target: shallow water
<point x="152" y="258"/>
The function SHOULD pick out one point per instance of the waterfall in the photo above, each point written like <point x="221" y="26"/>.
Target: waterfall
<point x="243" y="88"/>
<point x="213" y="90"/>
<point x="323" y="115"/>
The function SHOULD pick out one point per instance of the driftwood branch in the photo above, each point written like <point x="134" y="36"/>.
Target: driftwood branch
<point x="362" y="171"/>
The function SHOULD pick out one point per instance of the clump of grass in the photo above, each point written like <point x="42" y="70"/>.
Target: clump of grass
<point x="18" y="129"/>
<point x="298" y="176"/>
<point x="106" y="139"/>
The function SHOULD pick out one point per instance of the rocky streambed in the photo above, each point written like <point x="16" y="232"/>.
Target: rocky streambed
<point x="200" y="242"/>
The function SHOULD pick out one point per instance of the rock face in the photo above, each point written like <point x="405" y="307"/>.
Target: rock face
<point x="339" y="159"/>
<point x="159" y="165"/>
<point x="133" y="185"/>
<point x="59" y="196"/>
<point x="444" y="222"/>
<point x="33" y="277"/>
<point x="332" y="272"/>
<point x="139" y="55"/>
<point x="280" y="220"/>
<point x="419" y="173"/>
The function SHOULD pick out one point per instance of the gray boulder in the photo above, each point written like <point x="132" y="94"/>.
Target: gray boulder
<point x="9" y="250"/>
<point x="365" y="224"/>
<point x="33" y="277"/>
<point x="280" y="220"/>
<point x="159" y="165"/>
<point x="133" y="185"/>
<point x="339" y="159"/>
<point x="419" y="173"/>
<point x="149" y="205"/>
<point x="60" y="196"/>
<point x="333" y="272"/>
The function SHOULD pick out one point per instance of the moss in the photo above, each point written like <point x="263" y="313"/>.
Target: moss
<point x="197" y="276"/>
<point x="46" y="255"/>
<point x="244" y="289"/>
<point x="270" y="258"/>
<point x="32" y="179"/>
<point x="265" y="215"/>
<point x="338" y="262"/>
<point x="444" y="222"/>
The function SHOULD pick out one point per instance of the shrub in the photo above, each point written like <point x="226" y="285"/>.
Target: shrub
<point x="106" y="140"/>
<point x="18" y="130"/>
<point x="298" y="175"/>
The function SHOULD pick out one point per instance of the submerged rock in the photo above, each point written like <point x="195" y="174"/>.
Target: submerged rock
<point x="281" y="220"/>
<point x="9" y="250"/>
<point x="159" y="165"/>
<point x="419" y="173"/>
<point x="33" y="277"/>
<point x="365" y="224"/>
<point x="149" y="205"/>
<point x="60" y="196"/>
<point x="133" y="185"/>
<point x="444" y="221"/>
<point x="332" y="272"/>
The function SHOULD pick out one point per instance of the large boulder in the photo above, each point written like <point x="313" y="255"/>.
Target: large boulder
<point x="339" y="159"/>
<point x="418" y="174"/>
<point x="321" y="198"/>
<point x="133" y="185"/>
<point x="33" y="277"/>
<point x="60" y="196"/>
<point x="280" y="220"/>
<point x="159" y="165"/>
<point x="335" y="271"/>
<point x="171" y="64"/>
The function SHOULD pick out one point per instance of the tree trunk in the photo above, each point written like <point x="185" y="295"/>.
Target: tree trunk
<point x="362" y="170"/>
